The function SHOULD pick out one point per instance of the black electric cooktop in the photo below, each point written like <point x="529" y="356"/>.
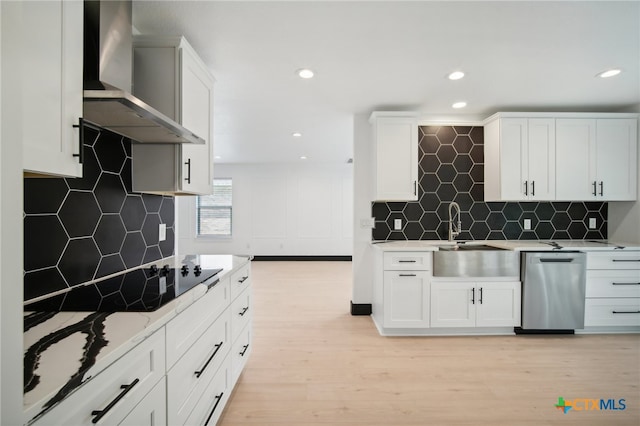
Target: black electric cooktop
<point x="140" y="290"/>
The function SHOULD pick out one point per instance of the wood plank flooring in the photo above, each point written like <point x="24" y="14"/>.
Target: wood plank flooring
<point x="315" y="364"/>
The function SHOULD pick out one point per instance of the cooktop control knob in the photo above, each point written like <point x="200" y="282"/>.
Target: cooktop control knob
<point x="154" y="270"/>
<point x="197" y="270"/>
<point x="165" y="270"/>
<point x="185" y="270"/>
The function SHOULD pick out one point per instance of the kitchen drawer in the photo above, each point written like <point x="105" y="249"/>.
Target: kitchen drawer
<point x="613" y="260"/>
<point x="240" y="280"/>
<point x="407" y="261"/>
<point x="612" y="312"/>
<point x="186" y="328"/>
<point x="241" y="313"/>
<point x="152" y="410"/>
<point x="613" y="283"/>
<point x="189" y="377"/>
<point x="123" y="384"/>
<point x="213" y="399"/>
<point x="240" y="353"/>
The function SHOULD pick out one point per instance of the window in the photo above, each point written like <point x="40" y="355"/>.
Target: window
<point x="213" y="212"/>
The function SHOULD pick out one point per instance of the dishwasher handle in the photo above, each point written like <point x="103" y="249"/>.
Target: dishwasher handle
<point x="554" y="260"/>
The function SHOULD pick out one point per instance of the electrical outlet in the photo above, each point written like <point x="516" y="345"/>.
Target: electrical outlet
<point x="368" y="223"/>
<point x="162" y="232"/>
<point x="527" y="225"/>
<point x="592" y="223"/>
<point x="397" y="224"/>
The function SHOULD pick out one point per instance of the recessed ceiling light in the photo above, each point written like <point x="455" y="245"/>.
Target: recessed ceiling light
<point x="296" y="134"/>
<point x="217" y="157"/>
<point x="456" y="75"/>
<point x="303" y="157"/>
<point x="609" y="73"/>
<point x="459" y="105"/>
<point x="305" y="73"/>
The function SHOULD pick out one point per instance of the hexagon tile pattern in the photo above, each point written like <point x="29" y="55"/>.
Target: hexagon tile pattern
<point x="452" y="169"/>
<point x="77" y="230"/>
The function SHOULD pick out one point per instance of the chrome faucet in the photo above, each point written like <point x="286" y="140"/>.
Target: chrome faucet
<point x="454" y="231"/>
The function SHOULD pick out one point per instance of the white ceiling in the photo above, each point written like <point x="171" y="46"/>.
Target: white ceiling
<point x="392" y="55"/>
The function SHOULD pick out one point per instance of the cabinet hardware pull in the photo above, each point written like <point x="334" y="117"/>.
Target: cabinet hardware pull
<point x="594" y="188"/>
<point x="526" y="188"/>
<point x="101" y="413"/>
<point x="244" y="311"/>
<point x="406" y="261"/>
<point x="625" y="260"/>
<point x="206" y="364"/>
<point x="188" y="163"/>
<point x="552" y="260"/>
<point x="533" y="188"/>
<point x="601" y="188"/>
<point x="481" y="291"/>
<point x="80" y="127"/>
<point x="218" y="398"/>
<point x="415" y="188"/>
<point x="626" y="312"/>
<point x="244" y="349"/>
<point x="406" y="275"/>
<point x="243" y="279"/>
<point x="473" y="296"/>
<point x="625" y="283"/>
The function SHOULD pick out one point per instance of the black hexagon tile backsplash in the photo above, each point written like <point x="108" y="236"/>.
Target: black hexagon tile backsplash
<point x="451" y="169"/>
<point x="77" y="230"/>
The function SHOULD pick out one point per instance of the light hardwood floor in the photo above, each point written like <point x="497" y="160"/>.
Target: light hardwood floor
<point x="315" y="364"/>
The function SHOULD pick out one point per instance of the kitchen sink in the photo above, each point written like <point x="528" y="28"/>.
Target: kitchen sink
<point x="475" y="260"/>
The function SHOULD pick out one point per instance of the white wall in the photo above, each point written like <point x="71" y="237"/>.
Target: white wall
<point x="624" y="217"/>
<point x="279" y="210"/>
<point x="10" y="219"/>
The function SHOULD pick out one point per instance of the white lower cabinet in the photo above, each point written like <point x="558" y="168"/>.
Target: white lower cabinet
<point x="406" y="299"/>
<point x="152" y="410"/>
<point x="213" y="398"/>
<point x="475" y="304"/>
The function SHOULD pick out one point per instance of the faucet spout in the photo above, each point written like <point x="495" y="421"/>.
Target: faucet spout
<point x="454" y="230"/>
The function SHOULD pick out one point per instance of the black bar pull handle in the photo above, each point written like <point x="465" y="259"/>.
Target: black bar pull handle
<point x="244" y="349"/>
<point x="244" y="311"/>
<point x="188" y="163"/>
<point x="218" y="398"/>
<point x="406" y="275"/>
<point x="473" y="295"/>
<point x="625" y="283"/>
<point x="206" y="364"/>
<point x="526" y="188"/>
<point x="406" y="261"/>
<point x="533" y="188"/>
<point x="243" y="279"/>
<point x="552" y="260"/>
<point x="626" y="312"/>
<point x="625" y="260"/>
<point x="601" y="188"/>
<point x="101" y="413"/>
<point x="80" y="127"/>
<point x="594" y="188"/>
<point x="481" y="291"/>
<point x="415" y="188"/>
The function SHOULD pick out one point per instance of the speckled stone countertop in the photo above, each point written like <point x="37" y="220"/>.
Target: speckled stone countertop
<point x="516" y="245"/>
<point x="62" y="350"/>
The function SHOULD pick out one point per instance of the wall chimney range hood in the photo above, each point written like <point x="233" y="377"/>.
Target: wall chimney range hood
<point x="108" y="61"/>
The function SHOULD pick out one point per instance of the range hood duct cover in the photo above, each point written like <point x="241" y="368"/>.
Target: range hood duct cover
<point x="108" y="59"/>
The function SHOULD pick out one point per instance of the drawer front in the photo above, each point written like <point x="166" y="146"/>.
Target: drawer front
<point x="213" y="399"/>
<point x="240" y="353"/>
<point x="407" y="261"/>
<point x="186" y="328"/>
<point x="116" y="390"/>
<point x="152" y="410"/>
<point x="240" y="280"/>
<point x="613" y="260"/>
<point x="612" y="312"/>
<point x="241" y="313"/>
<point x="605" y="283"/>
<point x="189" y="377"/>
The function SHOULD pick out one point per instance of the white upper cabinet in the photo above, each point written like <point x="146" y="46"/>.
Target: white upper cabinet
<point x="596" y="159"/>
<point x="50" y="39"/>
<point x="396" y="156"/>
<point x="169" y="76"/>
<point x="519" y="159"/>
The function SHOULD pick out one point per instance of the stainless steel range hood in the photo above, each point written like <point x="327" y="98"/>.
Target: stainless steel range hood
<point x="108" y="71"/>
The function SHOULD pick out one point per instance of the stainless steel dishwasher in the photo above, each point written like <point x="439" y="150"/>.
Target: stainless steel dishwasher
<point x="553" y="293"/>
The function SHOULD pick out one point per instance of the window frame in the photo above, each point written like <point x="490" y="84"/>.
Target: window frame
<point x="220" y="207"/>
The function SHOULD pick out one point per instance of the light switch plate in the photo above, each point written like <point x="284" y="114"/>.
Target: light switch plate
<point x="592" y="223"/>
<point x="162" y="232"/>
<point x="527" y="225"/>
<point x="397" y="224"/>
<point x="368" y="223"/>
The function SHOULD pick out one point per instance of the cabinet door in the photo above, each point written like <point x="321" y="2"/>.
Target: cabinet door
<point x="151" y="411"/>
<point x="51" y="42"/>
<point x="513" y="159"/>
<point x="453" y="304"/>
<point x="396" y="159"/>
<point x="616" y="159"/>
<point x="406" y="299"/>
<point x="575" y="158"/>
<point x="197" y="116"/>
<point x="498" y="304"/>
<point x="541" y="159"/>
